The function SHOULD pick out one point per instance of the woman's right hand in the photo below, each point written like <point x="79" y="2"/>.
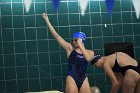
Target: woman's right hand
<point x="45" y="16"/>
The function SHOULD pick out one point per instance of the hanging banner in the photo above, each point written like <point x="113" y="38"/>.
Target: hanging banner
<point x="56" y="4"/>
<point x="136" y="4"/>
<point x="83" y="6"/>
<point x="110" y="4"/>
<point x="27" y="5"/>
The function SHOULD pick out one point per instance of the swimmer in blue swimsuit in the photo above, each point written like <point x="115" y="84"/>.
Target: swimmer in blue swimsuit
<point x="121" y="69"/>
<point x="78" y="59"/>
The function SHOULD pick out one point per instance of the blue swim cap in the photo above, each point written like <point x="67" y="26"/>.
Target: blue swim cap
<point x="80" y="35"/>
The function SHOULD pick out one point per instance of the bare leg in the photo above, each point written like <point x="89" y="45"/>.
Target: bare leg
<point x="137" y="89"/>
<point x="130" y="81"/>
<point x="85" y="88"/>
<point x="71" y="86"/>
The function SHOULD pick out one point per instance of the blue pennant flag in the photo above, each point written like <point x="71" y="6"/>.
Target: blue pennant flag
<point x="56" y="4"/>
<point x="110" y="4"/>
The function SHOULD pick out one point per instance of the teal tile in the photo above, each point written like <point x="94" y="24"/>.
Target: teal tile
<point x="91" y="79"/>
<point x="43" y="46"/>
<point x="34" y="85"/>
<point x="64" y="58"/>
<point x="95" y="18"/>
<point x="100" y="79"/>
<point x="107" y="39"/>
<point x="39" y="1"/>
<point x="44" y="71"/>
<point x="16" y="1"/>
<point x="40" y="22"/>
<point x="1" y="73"/>
<point x="126" y="17"/>
<point x="97" y="43"/>
<point x="63" y="20"/>
<point x="8" y="47"/>
<point x="42" y="33"/>
<point x="30" y="34"/>
<point x="99" y="71"/>
<point x="6" y="21"/>
<point x="116" y="18"/>
<point x="137" y="51"/>
<point x="32" y="59"/>
<point x="57" y="84"/>
<point x="118" y="39"/>
<point x="39" y="8"/>
<point x="7" y="34"/>
<point x="22" y="86"/>
<point x="102" y="88"/>
<point x="103" y="6"/>
<point x="106" y="19"/>
<point x="43" y="58"/>
<point x="21" y="72"/>
<point x="63" y="7"/>
<point x="20" y="47"/>
<point x="74" y="19"/>
<point x="11" y="86"/>
<point x="2" y="87"/>
<point x="55" y="70"/>
<point x="64" y="69"/>
<point x="53" y="45"/>
<point x="29" y="21"/>
<point x="90" y="69"/>
<point x="3" y="1"/>
<point x="21" y="60"/>
<point x="96" y="30"/>
<point x="19" y="34"/>
<point x="6" y="9"/>
<point x="128" y="39"/>
<point x="126" y="5"/>
<point x="17" y="8"/>
<point x="136" y="28"/>
<point x="64" y="32"/>
<point x="45" y="84"/>
<point x="53" y="19"/>
<point x="73" y="7"/>
<point x="33" y="72"/>
<point x="1" y="61"/>
<point x="107" y="31"/>
<point x="117" y="30"/>
<point x="50" y="8"/>
<point x="55" y="60"/>
<point x="88" y="43"/>
<point x="137" y="41"/>
<point x="116" y="7"/>
<point x="9" y="60"/>
<point x="18" y="22"/>
<point x="94" y="6"/>
<point x="86" y="30"/>
<point x="127" y="29"/>
<point x="73" y="30"/>
<point x="85" y="20"/>
<point x="10" y="73"/>
<point x="31" y="46"/>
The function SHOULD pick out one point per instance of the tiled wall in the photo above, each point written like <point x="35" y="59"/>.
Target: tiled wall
<point x="31" y="59"/>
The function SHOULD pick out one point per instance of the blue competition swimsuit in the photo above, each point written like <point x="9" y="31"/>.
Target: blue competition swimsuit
<point x="77" y="68"/>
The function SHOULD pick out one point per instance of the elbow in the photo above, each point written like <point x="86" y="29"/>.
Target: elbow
<point x="115" y="84"/>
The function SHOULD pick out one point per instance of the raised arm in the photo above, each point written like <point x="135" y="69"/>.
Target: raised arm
<point x="67" y="46"/>
<point x="110" y="73"/>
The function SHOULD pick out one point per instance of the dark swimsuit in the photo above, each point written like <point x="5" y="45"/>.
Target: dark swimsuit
<point x="122" y="70"/>
<point x="77" y="68"/>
